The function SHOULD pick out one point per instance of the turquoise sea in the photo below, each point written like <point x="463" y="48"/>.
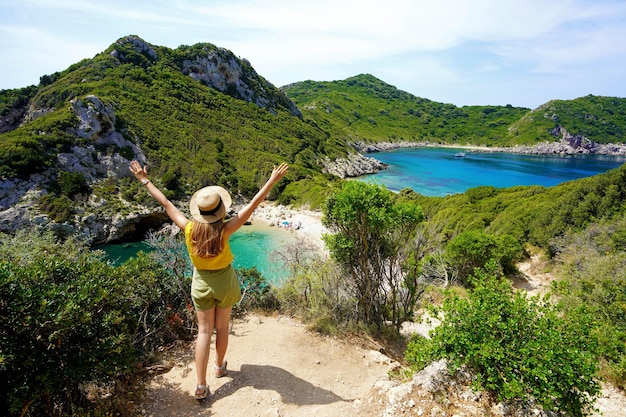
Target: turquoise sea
<point x="437" y="172"/>
<point x="253" y="246"/>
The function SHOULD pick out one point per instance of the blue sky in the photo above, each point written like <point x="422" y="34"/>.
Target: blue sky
<point x="464" y="52"/>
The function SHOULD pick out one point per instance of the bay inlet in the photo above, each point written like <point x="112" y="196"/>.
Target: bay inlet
<point x="438" y="172"/>
<point x="428" y="171"/>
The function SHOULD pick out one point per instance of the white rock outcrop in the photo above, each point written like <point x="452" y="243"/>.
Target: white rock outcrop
<point x="99" y="158"/>
<point x="354" y="165"/>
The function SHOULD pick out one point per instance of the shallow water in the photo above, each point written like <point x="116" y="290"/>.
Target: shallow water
<point x="252" y="245"/>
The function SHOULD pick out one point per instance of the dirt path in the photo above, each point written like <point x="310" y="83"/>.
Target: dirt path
<point x="276" y="368"/>
<point x="535" y="280"/>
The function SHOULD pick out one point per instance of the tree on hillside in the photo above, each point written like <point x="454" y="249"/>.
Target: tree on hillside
<point x="473" y="249"/>
<point x="370" y="238"/>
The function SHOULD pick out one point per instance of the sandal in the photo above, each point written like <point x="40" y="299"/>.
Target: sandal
<point x="202" y="391"/>
<point x="221" y="371"/>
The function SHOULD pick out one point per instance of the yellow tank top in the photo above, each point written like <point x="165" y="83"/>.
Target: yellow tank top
<point x="220" y="261"/>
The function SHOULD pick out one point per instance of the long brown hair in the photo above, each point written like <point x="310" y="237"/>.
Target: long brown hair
<point x="207" y="238"/>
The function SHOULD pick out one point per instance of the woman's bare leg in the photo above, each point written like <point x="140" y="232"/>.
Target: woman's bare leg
<point x="222" y="325"/>
<point x="206" y="323"/>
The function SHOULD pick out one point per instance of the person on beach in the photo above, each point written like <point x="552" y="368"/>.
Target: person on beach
<point x="215" y="287"/>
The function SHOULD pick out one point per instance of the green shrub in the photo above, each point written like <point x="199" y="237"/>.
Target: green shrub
<point x="597" y="281"/>
<point x="518" y="348"/>
<point x="69" y="320"/>
<point x="62" y="329"/>
<point x="72" y="183"/>
<point x="59" y="209"/>
<point x="15" y="98"/>
<point x="21" y="156"/>
<point x="474" y="249"/>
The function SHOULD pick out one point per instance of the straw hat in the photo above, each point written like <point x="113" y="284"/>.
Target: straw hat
<point x="209" y="204"/>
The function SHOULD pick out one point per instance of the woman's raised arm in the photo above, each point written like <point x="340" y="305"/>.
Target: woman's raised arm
<point x="172" y="211"/>
<point x="245" y="213"/>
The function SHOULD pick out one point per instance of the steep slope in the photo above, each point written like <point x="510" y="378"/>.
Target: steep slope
<point x="198" y="115"/>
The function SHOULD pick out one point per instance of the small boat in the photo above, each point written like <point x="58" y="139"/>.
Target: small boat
<point x="459" y="155"/>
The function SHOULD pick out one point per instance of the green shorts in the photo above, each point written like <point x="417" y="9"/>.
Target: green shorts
<point x="219" y="288"/>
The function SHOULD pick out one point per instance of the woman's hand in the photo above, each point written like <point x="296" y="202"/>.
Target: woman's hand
<point x="246" y="212"/>
<point x="279" y="172"/>
<point x="139" y="172"/>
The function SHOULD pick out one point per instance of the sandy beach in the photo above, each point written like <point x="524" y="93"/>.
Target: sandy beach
<point x="305" y="224"/>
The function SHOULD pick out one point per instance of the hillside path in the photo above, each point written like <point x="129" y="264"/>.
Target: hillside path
<point x="276" y="368"/>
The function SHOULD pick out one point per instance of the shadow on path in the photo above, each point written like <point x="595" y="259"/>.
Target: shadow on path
<point x="292" y="390"/>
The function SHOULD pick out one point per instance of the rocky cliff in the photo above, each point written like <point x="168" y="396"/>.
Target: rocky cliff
<point x="101" y="152"/>
<point x="217" y="68"/>
<point x="97" y="158"/>
<point x="221" y="69"/>
<point x="354" y="165"/>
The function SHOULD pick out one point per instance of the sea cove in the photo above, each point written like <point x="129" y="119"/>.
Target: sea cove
<point x="438" y="172"/>
<point x="253" y="246"/>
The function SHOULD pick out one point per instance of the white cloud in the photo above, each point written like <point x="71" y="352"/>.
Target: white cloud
<point x="448" y="42"/>
<point x="398" y="24"/>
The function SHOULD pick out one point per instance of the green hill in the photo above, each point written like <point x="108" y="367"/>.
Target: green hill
<point x="600" y="119"/>
<point x="197" y="112"/>
<point x="364" y="108"/>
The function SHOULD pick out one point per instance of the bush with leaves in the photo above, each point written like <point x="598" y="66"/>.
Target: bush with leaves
<point x="518" y="348"/>
<point x="597" y="280"/>
<point x="72" y="183"/>
<point x="69" y="320"/>
<point x="474" y="249"/>
<point x="58" y="208"/>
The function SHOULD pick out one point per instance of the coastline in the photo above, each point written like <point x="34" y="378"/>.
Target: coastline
<point x="305" y="225"/>
<point x="475" y="148"/>
<point x="566" y="146"/>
